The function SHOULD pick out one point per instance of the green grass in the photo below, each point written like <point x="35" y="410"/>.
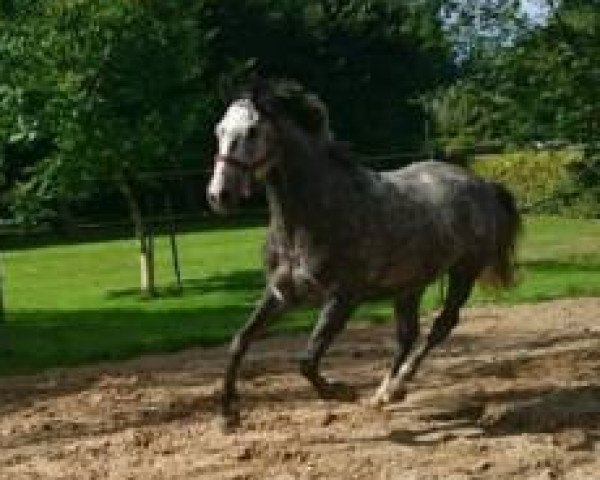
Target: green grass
<point x="72" y="304"/>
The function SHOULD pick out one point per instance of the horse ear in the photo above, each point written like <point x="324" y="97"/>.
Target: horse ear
<point x="304" y="107"/>
<point x="263" y="95"/>
<point x="225" y="91"/>
<point x="240" y="83"/>
<point x="231" y="89"/>
<point x="260" y="87"/>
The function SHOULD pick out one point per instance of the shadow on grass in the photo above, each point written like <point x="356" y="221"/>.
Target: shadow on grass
<point x="239" y="280"/>
<point x="560" y="266"/>
<point x="40" y="339"/>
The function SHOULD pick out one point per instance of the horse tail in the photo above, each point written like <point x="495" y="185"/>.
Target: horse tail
<point x="500" y="273"/>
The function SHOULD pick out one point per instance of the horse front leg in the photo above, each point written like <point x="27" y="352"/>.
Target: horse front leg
<point x="271" y="305"/>
<point x="332" y="319"/>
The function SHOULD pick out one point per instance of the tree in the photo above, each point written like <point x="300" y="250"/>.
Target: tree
<point x="367" y="59"/>
<point x="112" y="86"/>
<point x="535" y="80"/>
<point x="524" y="80"/>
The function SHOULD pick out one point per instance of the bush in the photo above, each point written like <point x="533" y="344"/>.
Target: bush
<point x="546" y="181"/>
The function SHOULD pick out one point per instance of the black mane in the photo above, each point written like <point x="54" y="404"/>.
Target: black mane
<point x="305" y="109"/>
<point x="288" y="97"/>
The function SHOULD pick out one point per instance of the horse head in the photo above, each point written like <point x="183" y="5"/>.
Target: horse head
<point x="247" y="136"/>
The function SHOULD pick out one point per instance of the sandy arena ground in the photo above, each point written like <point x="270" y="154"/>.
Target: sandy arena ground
<point x="515" y="394"/>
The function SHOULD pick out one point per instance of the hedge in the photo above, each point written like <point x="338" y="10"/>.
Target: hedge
<point x="543" y="181"/>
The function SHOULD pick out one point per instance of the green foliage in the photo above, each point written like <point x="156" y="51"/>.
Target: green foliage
<point x="126" y="86"/>
<point x="536" y="81"/>
<point x="527" y="81"/>
<point x="464" y="115"/>
<point x="584" y="192"/>
<point x="114" y="87"/>
<point x="550" y="181"/>
<point x="366" y="59"/>
<point x="93" y="89"/>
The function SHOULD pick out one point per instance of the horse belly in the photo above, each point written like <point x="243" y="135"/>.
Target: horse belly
<point x="417" y="269"/>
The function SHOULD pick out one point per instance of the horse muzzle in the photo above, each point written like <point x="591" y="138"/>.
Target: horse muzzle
<point x="227" y="185"/>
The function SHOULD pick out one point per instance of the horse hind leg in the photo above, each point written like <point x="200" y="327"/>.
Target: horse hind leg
<point x="461" y="281"/>
<point x="406" y="314"/>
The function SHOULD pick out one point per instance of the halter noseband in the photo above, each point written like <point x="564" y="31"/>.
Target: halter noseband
<point x="246" y="166"/>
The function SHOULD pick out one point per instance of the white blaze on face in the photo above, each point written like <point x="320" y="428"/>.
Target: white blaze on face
<point x="236" y="139"/>
<point x="233" y="129"/>
<point x="217" y="181"/>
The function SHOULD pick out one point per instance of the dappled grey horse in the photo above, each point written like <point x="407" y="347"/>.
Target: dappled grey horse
<point x="341" y="234"/>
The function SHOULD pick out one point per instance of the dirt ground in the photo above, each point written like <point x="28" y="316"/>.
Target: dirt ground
<point x="515" y="393"/>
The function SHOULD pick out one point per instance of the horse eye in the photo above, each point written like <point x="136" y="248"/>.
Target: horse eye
<point x="252" y="133"/>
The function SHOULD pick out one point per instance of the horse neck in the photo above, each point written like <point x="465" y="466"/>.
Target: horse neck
<point x="296" y="188"/>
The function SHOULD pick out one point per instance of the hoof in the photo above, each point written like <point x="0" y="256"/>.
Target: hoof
<point x="334" y="390"/>
<point x="399" y="394"/>
<point x="375" y="402"/>
<point x="386" y="397"/>
<point x="229" y="423"/>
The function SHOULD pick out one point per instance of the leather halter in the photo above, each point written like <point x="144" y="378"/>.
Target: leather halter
<point x="246" y="166"/>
